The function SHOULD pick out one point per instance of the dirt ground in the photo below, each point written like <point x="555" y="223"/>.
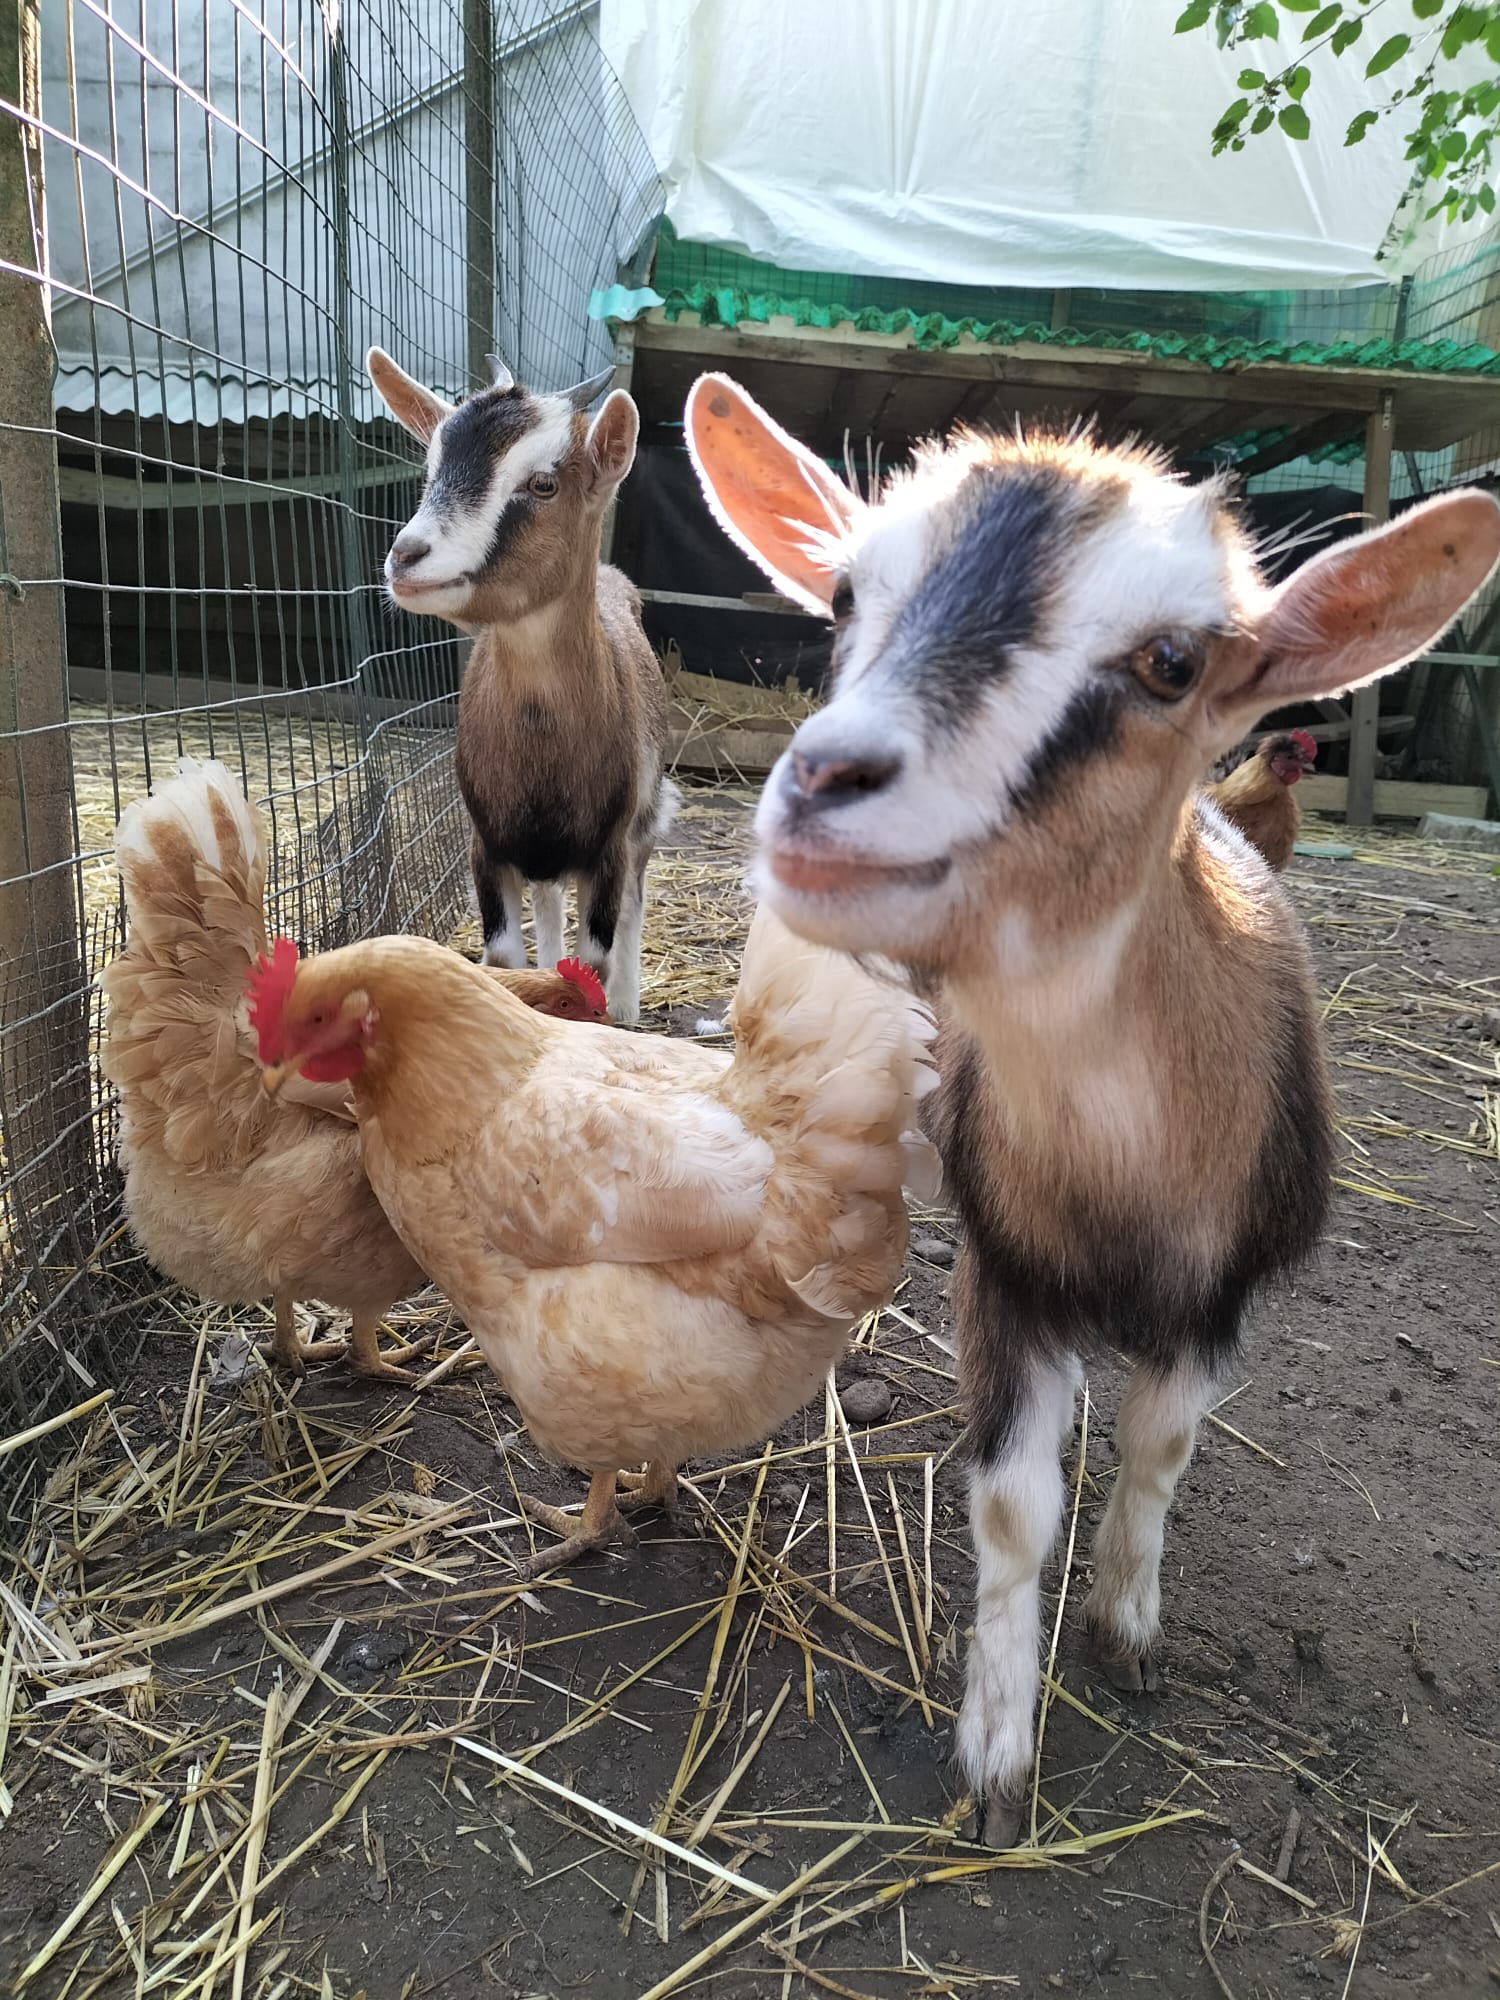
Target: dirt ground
<point x="264" y="1647"/>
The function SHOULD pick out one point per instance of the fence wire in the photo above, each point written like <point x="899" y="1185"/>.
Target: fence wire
<point x="207" y="214"/>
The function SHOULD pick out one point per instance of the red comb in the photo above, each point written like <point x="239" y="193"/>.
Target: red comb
<point x="585" y="979"/>
<point x="268" y="986"/>
<point x="1306" y="744"/>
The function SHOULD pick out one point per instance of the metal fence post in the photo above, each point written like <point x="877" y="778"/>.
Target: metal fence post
<point x="44" y="1077"/>
<point x="479" y="184"/>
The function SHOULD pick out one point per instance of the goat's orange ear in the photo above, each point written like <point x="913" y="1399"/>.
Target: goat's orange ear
<point x="416" y="409"/>
<point x="771" y="495"/>
<point x="1367" y="606"/>
<point x="611" y="442"/>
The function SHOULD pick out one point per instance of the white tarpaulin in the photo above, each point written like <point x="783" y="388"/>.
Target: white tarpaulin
<point x="1003" y="142"/>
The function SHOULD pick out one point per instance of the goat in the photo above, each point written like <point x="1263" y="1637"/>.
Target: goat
<point x="1041" y="645"/>
<point x="562" y="718"/>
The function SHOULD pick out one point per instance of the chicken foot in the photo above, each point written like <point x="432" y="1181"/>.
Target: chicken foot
<point x="601" y="1521"/>
<point x="361" y="1350"/>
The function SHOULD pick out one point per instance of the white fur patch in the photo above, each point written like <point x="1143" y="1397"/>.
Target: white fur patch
<point x="1023" y="1490"/>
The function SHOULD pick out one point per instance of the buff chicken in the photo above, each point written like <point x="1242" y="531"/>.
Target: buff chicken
<point x="661" y="1248"/>
<point x="238" y="1196"/>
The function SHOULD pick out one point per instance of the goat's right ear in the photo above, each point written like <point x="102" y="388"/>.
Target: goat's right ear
<point x="771" y="495"/>
<point x="1365" y="607"/>
<point x="611" y="443"/>
<point x="416" y="409"/>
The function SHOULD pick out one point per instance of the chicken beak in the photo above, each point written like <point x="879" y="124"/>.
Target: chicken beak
<point x="273" y="1076"/>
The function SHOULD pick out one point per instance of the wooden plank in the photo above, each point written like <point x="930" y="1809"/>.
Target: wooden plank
<point x="1365" y="706"/>
<point x="725" y="753"/>
<point x="1432" y="410"/>
<point x="1394" y="800"/>
<point x="759" y="601"/>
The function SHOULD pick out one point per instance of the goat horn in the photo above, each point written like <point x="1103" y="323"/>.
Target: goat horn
<point x="586" y="392"/>
<point x="500" y="375"/>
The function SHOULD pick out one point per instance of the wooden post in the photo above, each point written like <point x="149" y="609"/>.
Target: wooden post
<point x="44" y="1076"/>
<point x="624" y="370"/>
<point x="1365" y="709"/>
<point x="479" y="185"/>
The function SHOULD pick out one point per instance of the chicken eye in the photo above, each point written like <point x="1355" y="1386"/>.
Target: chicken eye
<point x="542" y="484"/>
<point x="841" y="604"/>
<point x="1165" y="668"/>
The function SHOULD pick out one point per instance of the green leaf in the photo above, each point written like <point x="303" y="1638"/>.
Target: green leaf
<point x="1388" y="53"/>
<point x="1320" y="23"/>
<point x="1195" y="15"/>
<point x="1425" y="9"/>
<point x="1298" y="6"/>
<point x="1487" y="199"/>
<point x="1294" y="121"/>
<point x="1455" y="146"/>
<point x="1251" y="79"/>
<point x="1231" y="121"/>
<point x="1263" y="119"/>
<point x="1358" y="126"/>
<point x="1492" y="41"/>
<point x="1297" y="81"/>
<point x="1345" y="35"/>
<point x="1259" y="22"/>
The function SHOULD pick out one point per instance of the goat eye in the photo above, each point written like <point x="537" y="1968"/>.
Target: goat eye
<point x="542" y="484"/>
<point x="1164" y="668"/>
<point x="841" y="604"/>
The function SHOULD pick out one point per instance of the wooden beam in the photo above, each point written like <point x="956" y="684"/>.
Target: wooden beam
<point x="479" y="186"/>
<point x="760" y="601"/>
<point x="1084" y="375"/>
<point x="1365" y="708"/>
<point x="1392" y="800"/>
<point x="44" y="1015"/>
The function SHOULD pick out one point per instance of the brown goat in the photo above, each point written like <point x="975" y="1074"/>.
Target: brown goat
<point x="1041" y="646"/>
<point x="562" y="720"/>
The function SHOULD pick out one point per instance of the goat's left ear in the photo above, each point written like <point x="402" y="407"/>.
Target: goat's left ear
<point x="1367" y="606"/>
<point x="611" y="443"/>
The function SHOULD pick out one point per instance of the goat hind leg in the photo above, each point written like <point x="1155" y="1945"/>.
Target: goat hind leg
<point x="1158" y="1422"/>
<point x="1015" y="1506"/>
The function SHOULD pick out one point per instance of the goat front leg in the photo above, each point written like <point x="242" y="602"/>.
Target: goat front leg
<point x="1157" y="1425"/>
<point x="1015" y="1507"/>
<point x="498" y="888"/>
<point x="547" y="910"/>
<point x="601" y="900"/>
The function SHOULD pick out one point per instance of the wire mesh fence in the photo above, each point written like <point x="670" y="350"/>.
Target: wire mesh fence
<point x="206" y="216"/>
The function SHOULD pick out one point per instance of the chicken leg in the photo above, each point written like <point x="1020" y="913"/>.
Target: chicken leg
<point x="600" y="1523"/>
<point x="361" y="1350"/>
<point x="292" y="1353"/>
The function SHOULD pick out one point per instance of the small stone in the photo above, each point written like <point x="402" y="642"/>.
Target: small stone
<point x="1104" y="1955"/>
<point x="786" y="1493"/>
<point x="865" y="1400"/>
<point x="933" y="1249"/>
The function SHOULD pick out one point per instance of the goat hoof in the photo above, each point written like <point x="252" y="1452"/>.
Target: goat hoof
<point x="1127" y="1669"/>
<point x="1002" y="1816"/>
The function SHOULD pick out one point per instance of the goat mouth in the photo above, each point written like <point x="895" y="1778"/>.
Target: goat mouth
<point x="828" y="874"/>
<point x="400" y="587"/>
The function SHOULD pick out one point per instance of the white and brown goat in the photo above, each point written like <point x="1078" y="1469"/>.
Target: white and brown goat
<point x="1041" y="647"/>
<point x="562" y="720"/>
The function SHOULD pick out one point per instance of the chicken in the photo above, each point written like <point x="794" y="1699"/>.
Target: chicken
<point x="234" y="1194"/>
<point x="1257" y="796"/>
<point x="661" y="1247"/>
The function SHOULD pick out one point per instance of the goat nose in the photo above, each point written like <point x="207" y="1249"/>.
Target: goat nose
<point x="833" y="779"/>
<point x="408" y="550"/>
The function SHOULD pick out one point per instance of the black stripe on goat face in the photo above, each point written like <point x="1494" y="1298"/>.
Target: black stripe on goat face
<point x="988" y="593"/>
<point x="472" y="443"/>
